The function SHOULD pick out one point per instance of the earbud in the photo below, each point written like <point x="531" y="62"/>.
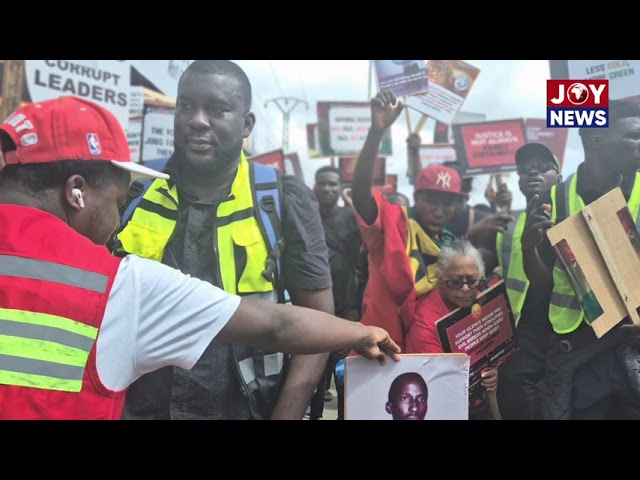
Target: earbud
<point x="78" y="194"/>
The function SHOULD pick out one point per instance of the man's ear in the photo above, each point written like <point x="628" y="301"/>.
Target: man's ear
<point x="249" y="123"/>
<point x="387" y="407"/>
<point x="559" y="178"/>
<point x="70" y="198"/>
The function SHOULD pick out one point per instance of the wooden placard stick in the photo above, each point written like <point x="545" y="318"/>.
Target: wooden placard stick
<point x="421" y="123"/>
<point x="407" y="115"/>
<point x="13" y="79"/>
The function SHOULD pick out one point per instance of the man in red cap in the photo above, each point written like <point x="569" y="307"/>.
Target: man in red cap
<point x="78" y="325"/>
<point x="402" y="252"/>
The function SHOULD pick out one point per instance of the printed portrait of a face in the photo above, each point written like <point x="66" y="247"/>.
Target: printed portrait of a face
<point x="408" y="397"/>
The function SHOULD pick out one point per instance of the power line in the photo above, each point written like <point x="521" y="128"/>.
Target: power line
<point x="286" y="106"/>
<point x="273" y="72"/>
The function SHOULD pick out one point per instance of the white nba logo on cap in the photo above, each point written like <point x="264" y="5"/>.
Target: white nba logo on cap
<point x="94" y="144"/>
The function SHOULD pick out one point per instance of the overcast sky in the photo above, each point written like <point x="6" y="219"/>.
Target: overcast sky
<point x="504" y="89"/>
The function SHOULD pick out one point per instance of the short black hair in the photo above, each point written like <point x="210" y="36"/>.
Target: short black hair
<point x="467" y="182"/>
<point x="328" y="169"/>
<point x="618" y="109"/>
<point x="391" y="196"/>
<point x="39" y="179"/>
<point x="224" y="68"/>
<point x="401" y="380"/>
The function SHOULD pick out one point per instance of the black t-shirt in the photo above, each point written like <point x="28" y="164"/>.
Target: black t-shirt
<point x="343" y="239"/>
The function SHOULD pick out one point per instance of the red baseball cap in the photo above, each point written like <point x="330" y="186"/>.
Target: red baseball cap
<point x="68" y="128"/>
<point x="439" y="178"/>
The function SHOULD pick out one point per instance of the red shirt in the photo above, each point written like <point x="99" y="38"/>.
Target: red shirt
<point x="422" y="337"/>
<point x="389" y="298"/>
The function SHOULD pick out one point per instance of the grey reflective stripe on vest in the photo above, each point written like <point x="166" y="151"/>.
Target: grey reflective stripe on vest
<point x="507" y="245"/>
<point x="52" y="272"/>
<point x="517" y="285"/>
<point x="49" y="334"/>
<point x="272" y="366"/>
<point x="40" y="367"/>
<point x="565" y="301"/>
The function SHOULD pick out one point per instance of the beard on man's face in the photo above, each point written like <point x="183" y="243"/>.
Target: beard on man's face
<point x="223" y="160"/>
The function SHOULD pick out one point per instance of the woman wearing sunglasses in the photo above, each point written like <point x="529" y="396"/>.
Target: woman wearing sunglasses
<point x="461" y="278"/>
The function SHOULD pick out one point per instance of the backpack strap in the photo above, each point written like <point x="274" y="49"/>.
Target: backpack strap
<point x="137" y="190"/>
<point x="268" y="198"/>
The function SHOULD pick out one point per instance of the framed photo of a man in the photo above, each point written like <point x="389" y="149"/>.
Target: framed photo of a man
<point x="418" y="387"/>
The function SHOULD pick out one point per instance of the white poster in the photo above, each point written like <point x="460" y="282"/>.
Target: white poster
<point x="105" y="82"/>
<point x="436" y="153"/>
<point x="157" y="134"/>
<point x="623" y="75"/>
<point x="418" y="387"/>
<point x="134" y="137"/>
<point x="349" y="128"/>
<point x="449" y="84"/>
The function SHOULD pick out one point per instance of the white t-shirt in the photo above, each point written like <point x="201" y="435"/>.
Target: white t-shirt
<point x="157" y="316"/>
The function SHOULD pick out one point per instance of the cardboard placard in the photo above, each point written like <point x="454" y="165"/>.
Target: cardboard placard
<point x="488" y="147"/>
<point x="599" y="250"/>
<point x="484" y="331"/>
<point x="369" y="394"/>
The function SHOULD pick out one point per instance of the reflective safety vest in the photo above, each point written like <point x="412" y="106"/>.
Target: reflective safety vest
<point x="565" y="311"/>
<point x="247" y="242"/>
<point x="511" y="263"/>
<point x="54" y="287"/>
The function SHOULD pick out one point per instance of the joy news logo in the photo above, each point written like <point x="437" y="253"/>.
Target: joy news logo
<point x="577" y="103"/>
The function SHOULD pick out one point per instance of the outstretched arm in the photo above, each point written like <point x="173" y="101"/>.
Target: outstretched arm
<point x="299" y="330"/>
<point x="385" y="108"/>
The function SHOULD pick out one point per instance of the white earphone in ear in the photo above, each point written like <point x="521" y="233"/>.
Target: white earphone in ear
<point x="78" y="194"/>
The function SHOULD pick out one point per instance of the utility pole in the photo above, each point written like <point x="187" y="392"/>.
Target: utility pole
<point x="12" y="81"/>
<point x="286" y="106"/>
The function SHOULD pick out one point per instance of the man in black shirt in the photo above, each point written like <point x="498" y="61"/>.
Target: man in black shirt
<point x="343" y="240"/>
<point x="210" y="173"/>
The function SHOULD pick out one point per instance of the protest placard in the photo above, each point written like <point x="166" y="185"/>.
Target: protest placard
<point x="402" y="77"/>
<point x="343" y="128"/>
<point x="274" y="159"/>
<point x="623" y="75"/>
<point x="555" y="139"/>
<point x="488" y="147"/>
<point x="347" y="166"/>
<point x="484" y="331"/>
<point x="449" y="84"/>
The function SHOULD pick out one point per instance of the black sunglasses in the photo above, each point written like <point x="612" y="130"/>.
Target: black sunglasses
<point x="459" y="282"/>
<point x="540" y="167"/>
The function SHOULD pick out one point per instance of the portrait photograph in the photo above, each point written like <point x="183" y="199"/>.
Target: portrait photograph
<point x="418" y="387"/>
